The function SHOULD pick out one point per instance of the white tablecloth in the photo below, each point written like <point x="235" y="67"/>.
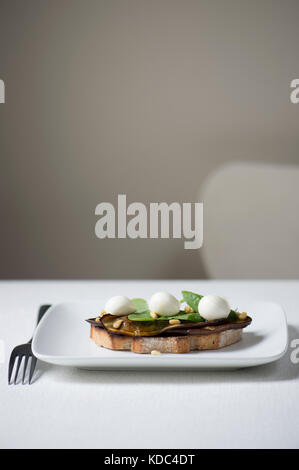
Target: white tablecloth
<point x="256" y="407"/>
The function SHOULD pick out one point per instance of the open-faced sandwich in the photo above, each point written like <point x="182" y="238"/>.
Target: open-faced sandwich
<point x="165" y="326"/>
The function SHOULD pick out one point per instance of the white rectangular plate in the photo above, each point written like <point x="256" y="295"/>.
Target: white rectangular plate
<point x="62" y="337"/>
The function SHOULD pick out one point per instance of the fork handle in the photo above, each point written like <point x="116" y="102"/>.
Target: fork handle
<point x="41" y="312"/>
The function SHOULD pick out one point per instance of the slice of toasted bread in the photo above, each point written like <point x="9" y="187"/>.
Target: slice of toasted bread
<point x="165" y="344"/>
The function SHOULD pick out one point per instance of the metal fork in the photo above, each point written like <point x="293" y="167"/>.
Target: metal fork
<point x="24" y="350"/>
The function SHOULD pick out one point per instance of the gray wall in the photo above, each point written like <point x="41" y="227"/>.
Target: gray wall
<point x="138" y="97"/>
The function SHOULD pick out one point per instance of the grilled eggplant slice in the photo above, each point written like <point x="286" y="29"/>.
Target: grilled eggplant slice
<point x="154" y="328"/>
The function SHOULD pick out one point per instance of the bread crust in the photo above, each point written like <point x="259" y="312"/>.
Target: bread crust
<point x="165" y="344"/>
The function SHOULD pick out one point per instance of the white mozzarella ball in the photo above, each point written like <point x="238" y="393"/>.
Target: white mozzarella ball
<point x="164" y="304"/>
<point x="119" y="305"/>
<point x="213" y="307"/>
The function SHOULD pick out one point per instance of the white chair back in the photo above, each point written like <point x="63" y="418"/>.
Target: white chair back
<point x="251" y="221"/>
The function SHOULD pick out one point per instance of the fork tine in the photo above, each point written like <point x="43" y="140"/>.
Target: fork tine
<point x="18" y="367"/>
<point x="10" y="367"/>
<point x="32" y="368"/>
<point x="25" y="367"/>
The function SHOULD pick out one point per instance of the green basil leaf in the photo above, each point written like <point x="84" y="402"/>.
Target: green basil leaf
<point x="193" y="317"/>
<point x="145" y="316"/>
<point x="232" y="316"/>
<point x="140" y="305"/>
<point x="140" y="316"/>
<point x="191" y="299"/>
